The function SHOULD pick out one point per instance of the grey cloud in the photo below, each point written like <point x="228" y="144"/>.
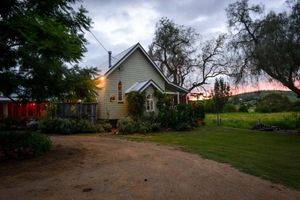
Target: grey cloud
<point x="185" y="12"/>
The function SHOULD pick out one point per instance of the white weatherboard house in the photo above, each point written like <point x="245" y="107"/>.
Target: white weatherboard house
<point x="132" y="70"/>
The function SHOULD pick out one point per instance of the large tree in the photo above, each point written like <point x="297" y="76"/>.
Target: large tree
<point x="266" y="44"/>
<point x="211" y="62"/>
<point x="220" y="95"/>
<point x="37" y="39"/>
<point x="184" y="60"/>
<point x="172" y="49"/>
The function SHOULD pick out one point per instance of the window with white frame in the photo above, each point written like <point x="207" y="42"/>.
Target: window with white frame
<point x="149" y="103"/>
<point x="120" y="92"/>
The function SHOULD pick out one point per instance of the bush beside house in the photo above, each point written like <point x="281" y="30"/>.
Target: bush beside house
<point x="20" y="145"/>
<point x="70" y="126"/>
<point x="179" y="117"/>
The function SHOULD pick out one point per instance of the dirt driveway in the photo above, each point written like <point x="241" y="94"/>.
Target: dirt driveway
<point x="83" y="167"/>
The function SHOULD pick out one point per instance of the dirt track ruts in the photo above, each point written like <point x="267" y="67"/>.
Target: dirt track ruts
<point x="91" y="167"/>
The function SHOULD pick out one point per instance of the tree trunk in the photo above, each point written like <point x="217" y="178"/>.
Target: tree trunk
<point x="218" y="119"/>
<point x="294" y="89"/>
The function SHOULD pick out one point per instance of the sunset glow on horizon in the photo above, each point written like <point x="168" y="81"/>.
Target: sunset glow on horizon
<point x="261" y="86"/>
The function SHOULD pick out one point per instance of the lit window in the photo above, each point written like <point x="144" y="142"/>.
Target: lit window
<point x="149" y="103"/>
<point x="120" y="94"/>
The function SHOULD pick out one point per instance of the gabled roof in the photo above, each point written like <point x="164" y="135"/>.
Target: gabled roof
<point x="6" y="99"/>
<point x="121" y="57"/>
<point x="140" y="86"/>
<point x="115" y="59"/>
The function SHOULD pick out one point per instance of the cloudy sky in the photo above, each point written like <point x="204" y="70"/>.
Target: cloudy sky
<point x="119" y="24"/>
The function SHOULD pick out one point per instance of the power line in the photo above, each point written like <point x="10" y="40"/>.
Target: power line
<point x="98" y="40"/>
<point x="100" y="43"/>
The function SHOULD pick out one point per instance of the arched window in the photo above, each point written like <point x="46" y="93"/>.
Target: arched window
<point x="120" y="93"/>
<point x="149" y="103"/>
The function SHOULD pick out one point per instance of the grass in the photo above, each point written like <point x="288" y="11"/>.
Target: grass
<point x="275" y="157"/>
<point x="286" y="120"/>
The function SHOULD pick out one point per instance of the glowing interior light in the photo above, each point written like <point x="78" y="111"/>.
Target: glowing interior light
<point x="102" y="78"/>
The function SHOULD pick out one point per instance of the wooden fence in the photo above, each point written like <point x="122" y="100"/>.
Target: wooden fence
<point x="76" y="111"/>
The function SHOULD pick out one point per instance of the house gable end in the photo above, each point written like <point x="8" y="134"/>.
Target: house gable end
<point x="130" y="52"/>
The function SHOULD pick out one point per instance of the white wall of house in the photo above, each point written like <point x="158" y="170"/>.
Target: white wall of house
<point x="136" y="68"/>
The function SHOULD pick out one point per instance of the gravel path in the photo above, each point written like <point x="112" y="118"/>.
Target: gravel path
<point x="90" y="167"/>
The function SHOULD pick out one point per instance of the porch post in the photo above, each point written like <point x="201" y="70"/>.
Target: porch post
<point x="178" y="100"/>
<point x="5" y="110"/>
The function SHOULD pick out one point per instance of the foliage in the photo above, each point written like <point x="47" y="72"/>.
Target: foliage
<point x="172" y="48"/>
<point x="144" y="125"/>
<point x="181" y="117"/>
<point x="19" y="145"/>
<point x="283" y="120"/>
<point x="106" y="126"/>
<point x="230" y="108"/>
<point x="85" y="126"/>
<point x="243" y="108"/>
<point x="37" y="41"/>
<point x="209" y="106"/>
<point x="68" y="126"/>
<point x="274" y="103"/>
<point x="220" y="94"/>
<point x="12" y="124"/>
<point x="127" y="125"/>
<point x="296" y="106"/>
<point x="211" y="62"/>
<point x="80" y="85"/>
<point x="136" y="101"/>
<point x="271" y="156"/>
<point x="199" y="110"/>
<point x="163" y="100"/>
<point x="268" y="44"/>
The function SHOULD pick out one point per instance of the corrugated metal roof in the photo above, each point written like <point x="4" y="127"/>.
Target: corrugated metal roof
<point x="5" y="99"/>
<point x="115" y="59"/>
<point x="137" y="86"/>
<point x="140" y="86"/>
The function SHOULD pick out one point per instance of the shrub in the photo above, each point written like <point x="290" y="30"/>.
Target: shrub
<point x="136" y="103"/>
<point x="57" y="125"/>
<point x="229" y="108"/>
<point x="107" y="127"/>
<point x="98" y="128"/>
<point x="296" y="106"/>
<point x="243" y="108"/>
<point x="199" y="110"/>
<point x="164" y="100"/>
<point x="274" y="103"/>
<point x="67" y="126"/>
<point x="209" y="106"/>
<point x="19" y="145"/>
<point x="263" y="108"/>
<point x="167" y="116"/>
<point x="181" y="116"/>
<point x="183" y="126"/>
<point x="127" y="125"/>
<point x="84" y="126"/>
<point x="143" y="127"/>
<point x="12" y="124"/>
<point x="154" y="127"/>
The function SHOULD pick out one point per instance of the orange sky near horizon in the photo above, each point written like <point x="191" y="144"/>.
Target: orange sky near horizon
<point x="260" y="86"/>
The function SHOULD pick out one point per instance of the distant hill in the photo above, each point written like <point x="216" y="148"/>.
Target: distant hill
<point x="253" y="97"/>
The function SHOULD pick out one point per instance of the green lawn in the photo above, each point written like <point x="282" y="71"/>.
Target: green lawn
<point x="287" y="120"/>
<point x="273" y="156"/>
